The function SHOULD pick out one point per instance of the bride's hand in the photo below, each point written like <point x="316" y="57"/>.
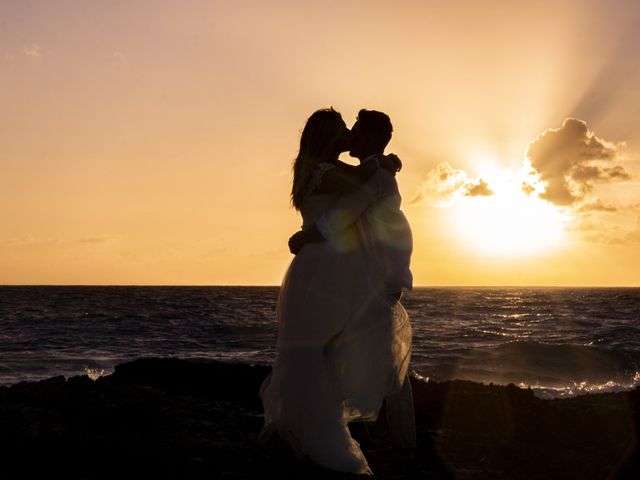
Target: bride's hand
<point x="390" y="162"/>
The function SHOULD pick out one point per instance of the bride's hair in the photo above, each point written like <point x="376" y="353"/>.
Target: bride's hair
<point x="317" y="144"/>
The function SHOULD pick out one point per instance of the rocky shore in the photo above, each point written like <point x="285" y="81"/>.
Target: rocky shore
<point x="173" y="418"/>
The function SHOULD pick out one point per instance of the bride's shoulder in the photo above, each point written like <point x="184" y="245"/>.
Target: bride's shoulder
<point x="318" y="173"/>
<point x="320" y="170"/>
<point x="323" y="167"/>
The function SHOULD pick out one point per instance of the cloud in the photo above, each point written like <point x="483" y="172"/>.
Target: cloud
<point x="117" y="60"/>
<point x="604" y="238"/>
<point x="625" y="238"/>
<point x="29" y="239"/>
<point x="528" y="188"/>
<point x="444" y="184"/>
<point x="215" y="252"/>
<point x="571" y="159"/>
<point x="480" y="189"/>
<point x="603" y="232"/>
<point x="98" y="239"/>
<point x="584" y="224"/>
<point x="586" y="173"/>
<point x="597" y="206"/>
<point x="632" y="237"/>
<point x="32" y="50"/>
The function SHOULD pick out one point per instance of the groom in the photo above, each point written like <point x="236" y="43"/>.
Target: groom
<point x="384" y="230"/>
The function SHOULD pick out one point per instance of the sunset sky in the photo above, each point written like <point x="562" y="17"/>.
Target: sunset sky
<point x="150" y="142"/>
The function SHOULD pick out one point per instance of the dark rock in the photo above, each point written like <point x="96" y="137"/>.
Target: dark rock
<point x="174" y="418"/>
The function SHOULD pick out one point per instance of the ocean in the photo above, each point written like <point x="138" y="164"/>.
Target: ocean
<point x="558" y="341"/>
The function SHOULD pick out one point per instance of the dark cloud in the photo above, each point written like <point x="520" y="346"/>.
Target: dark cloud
<point x="480" y="189"/>
<point x="587" y="173"/>
<point x="617" y="173"/>
<point x="571" y="159"/>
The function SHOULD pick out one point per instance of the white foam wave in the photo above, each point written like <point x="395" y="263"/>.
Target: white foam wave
<point x="95" y="373"/>
<point x="582" y="388"/>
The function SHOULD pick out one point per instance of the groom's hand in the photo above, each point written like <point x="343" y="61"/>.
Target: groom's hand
<point x="390" y="162"/>
<point x="296" y="242"/>
<point x="302" y="237"/>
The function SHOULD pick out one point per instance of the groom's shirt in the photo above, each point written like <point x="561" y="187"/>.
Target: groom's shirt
<point x="374" y="209"/>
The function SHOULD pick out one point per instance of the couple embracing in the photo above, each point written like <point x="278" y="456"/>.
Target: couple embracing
<point x="344" y="339"/>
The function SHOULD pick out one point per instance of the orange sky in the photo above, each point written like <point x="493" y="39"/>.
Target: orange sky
<point x="151" y="142"/>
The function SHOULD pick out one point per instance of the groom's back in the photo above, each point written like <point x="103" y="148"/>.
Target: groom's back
<point x="389" y="234"/>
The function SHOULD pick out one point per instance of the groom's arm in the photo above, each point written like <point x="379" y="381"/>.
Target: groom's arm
<point x="349" y="207"/>
<point x="302" y="237"/>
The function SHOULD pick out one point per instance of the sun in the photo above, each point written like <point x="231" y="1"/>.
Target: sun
<point x="511" y="222"/>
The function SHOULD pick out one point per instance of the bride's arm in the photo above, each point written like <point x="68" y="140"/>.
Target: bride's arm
<point x="340" y="216"/>
<point x="351" y="205"/>
<point x="346" y="210"/>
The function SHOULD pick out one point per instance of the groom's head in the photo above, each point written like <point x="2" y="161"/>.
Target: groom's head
<point x="370" y="134"/>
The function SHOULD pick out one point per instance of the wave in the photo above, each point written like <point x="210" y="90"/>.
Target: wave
<point x="549" y="369"/>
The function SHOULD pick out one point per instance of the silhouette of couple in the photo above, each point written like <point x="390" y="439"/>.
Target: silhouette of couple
<point x="344" y="339"/>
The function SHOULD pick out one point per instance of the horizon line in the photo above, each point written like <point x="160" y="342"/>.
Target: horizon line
<point x="278" y="286"/>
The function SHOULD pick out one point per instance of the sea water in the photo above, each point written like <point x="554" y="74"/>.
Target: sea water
<point x="558" y="341"/>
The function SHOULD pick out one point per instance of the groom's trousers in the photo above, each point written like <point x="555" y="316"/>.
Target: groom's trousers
<point x="400" y="410"/>
<point x="401" y="417"/>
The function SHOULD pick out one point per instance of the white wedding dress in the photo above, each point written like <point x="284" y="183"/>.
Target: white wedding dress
<point x="342" y="346"/>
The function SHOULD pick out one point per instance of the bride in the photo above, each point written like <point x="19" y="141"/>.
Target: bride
<point x="330" y="366"/>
